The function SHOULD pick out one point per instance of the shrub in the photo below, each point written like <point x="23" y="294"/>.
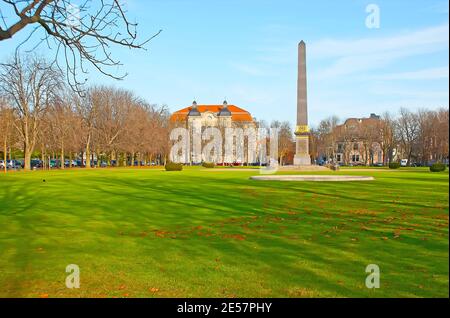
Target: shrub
<point x="394" y="165"/>
<point x="333" y="167"/>
<point x="208" y="165"/>
<point x="438" y="167"/>
<point x="172" y="166"/>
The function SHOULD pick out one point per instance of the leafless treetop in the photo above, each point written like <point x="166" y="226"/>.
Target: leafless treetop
<point x="81" y="34"/>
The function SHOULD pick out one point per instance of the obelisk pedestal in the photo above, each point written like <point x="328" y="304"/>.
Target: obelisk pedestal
<point x="302" y="157"/>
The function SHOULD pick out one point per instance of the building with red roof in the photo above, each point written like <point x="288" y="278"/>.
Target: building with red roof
<point x="211" y="114"/>
<point x="199" y="117"/>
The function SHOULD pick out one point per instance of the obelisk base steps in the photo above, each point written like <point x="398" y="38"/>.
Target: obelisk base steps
<point x="302" y="160"/>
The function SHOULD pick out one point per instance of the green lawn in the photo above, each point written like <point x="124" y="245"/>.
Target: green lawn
<point x="206" y="233"/>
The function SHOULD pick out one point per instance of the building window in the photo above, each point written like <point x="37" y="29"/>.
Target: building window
<point x="355" y="146"/>
<point x="355" y="158"/>
<point x="339" y="157"/>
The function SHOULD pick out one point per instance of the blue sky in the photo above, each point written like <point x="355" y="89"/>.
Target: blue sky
<point x="246" y="51"/>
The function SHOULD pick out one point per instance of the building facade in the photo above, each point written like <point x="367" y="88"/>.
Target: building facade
<point x="358" y="141"/>
<point x="199" y="117"/>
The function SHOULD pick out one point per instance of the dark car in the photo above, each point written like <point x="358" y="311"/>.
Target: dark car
<point x="36" y="164"/>
<point x="80" y="163"/>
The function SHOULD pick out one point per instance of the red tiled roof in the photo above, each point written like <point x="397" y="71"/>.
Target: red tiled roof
<point x="237" y="113"/>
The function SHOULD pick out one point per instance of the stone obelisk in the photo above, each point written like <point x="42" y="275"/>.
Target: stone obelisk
<point x="302" y="157"/>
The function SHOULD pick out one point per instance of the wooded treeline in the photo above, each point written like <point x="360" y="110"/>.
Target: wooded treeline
<point x="40" y="116"/>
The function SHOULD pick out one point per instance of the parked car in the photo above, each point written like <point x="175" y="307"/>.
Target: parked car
<point x="321" y="162"/>
<point x="2" y="164"/>
<point x="55" y="163"/>
<point x="36" y="164"/>
<point x="14" y="164"/>
<point x="404" y="162"/>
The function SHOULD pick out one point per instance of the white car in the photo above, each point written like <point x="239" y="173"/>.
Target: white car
<point x="404" y="162"/>
<point x="10" y="164"/>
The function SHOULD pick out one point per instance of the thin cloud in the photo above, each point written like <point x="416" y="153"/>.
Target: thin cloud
<point x="424" y="74"/>
<point x="362" y="55"/>
<point x="421" y="40"/>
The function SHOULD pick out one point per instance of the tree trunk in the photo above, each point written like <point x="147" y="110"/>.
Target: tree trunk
<point x="4" y="155"/>
<point x="27" y="158"/>
<point x="62" y="156"/>
<point x="43" y="157"/>
<point x="88" y="157"/>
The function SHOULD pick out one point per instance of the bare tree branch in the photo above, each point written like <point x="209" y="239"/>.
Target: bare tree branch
<point x="82" y="34"/>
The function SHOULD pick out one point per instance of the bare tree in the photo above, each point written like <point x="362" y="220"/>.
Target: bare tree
<point x="87" y="107"/>
<point x="111" y="116"/>
<point x="442" y="135"/>
<point x="6" y="128"/>
<point x="432" y="141"/>
<point x="369" y="134"/>
<point x="61" y="119"/>
<point x="81" y="34"/>
<point x="327" y="137"/>
<point x="387" y="137"/>
<point x="30" y="85"/>
<point x="286" y="142"/>
<point x="407" y="129"/>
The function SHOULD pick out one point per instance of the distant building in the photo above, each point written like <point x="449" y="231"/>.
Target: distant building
<point x="358" y="141"/>
<point x="220" y="116"/>
<point x="213" y="115"/>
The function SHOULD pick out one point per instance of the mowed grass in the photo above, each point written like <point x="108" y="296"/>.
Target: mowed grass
<point x="206" y="233"/>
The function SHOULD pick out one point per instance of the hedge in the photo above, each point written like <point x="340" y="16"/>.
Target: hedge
<point x="438" y="167"/>
<point x="394" y="165"/>
<point x="172" y="166"/>
<point x="208" y="165"/>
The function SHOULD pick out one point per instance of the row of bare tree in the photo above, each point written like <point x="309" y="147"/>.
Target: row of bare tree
<point x="421" y="137"/>
<point x="40" y="116"/>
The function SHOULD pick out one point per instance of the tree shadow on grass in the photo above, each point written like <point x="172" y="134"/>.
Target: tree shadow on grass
<point x="118" y="209"/>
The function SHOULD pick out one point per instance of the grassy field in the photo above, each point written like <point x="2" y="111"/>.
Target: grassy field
<point x="206" y="233"/>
